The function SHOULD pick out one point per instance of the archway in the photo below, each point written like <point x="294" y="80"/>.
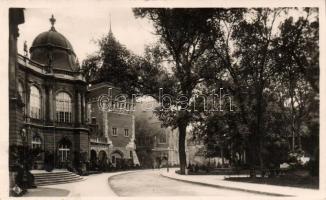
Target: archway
<point x="103" y="160"/>
<point x="117" y="159"/>
<point x="102" y="155"/>
<point x="93" y="155"/>
<point x="93" y="159"/>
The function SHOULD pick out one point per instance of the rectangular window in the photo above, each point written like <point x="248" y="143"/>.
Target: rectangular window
<point x="89" y="112"/>
<point x="67" y="117"/>
<point x="126" y="133"/>
<point x="163" y="138"/>
<point x="114" y="131"/>
<point x="61" y="117"/>
<point x="93" y="120"/>
<point x="64" y="117"/>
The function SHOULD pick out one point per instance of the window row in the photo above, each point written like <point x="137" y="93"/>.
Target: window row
<point x="115" y="132"/>
<point x="64" y="150"/>
<point x="63" y="104"/>
<point x="147" y="140"/>
<point x="122" y="106"/>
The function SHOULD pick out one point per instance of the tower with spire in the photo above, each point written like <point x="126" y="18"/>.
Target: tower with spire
<point x="110" y="31"/>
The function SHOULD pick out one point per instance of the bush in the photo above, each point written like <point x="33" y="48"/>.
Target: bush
<point x="313" y="164"/>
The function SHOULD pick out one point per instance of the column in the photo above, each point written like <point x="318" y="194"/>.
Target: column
<point x="49" y="101"/>
<point x="105" y="123"/>
<point x="50" y="104"/>
<point x="83" y="108"/>
<point x="78" y="111"/>
<point x="28" y="95"/>
<point x="133" y="128"/>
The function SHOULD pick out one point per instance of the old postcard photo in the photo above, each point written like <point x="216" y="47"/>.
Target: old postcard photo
<point x="149" y="99"/>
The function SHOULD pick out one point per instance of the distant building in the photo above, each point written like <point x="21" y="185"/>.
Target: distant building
<point x="196" y="152"/>
<point x="112" y="124"/>
<point x="156" y="145"/>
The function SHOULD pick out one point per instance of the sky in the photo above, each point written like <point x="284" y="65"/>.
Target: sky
<point x="83" y="27"/>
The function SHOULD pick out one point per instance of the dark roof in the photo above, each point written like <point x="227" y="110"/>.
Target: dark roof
<point x="51" y="48"/>
<point x="52" y="37"/>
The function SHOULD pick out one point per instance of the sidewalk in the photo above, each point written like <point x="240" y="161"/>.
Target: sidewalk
<point x="219" y="182"/>
<point x="96" y="185"/>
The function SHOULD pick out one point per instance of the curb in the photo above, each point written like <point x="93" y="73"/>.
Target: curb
<point x="114" y="175"/>
<point x="227" y="187"/>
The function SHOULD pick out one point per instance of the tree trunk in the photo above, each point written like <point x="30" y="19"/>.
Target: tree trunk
<point x="182" y="148"/>
<point x="292" y="111"/>
<point x="259" y="129"/>
<point x="222" y="156"/>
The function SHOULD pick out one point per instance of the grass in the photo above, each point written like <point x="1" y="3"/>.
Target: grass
<point x="284" y="180"/>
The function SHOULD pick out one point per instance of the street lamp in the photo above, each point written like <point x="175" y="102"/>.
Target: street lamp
<point x="23" y="136"/>
<point x="24" y="171"/>
<point x="167" y="160"/>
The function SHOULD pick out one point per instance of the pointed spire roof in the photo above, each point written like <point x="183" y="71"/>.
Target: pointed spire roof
<point x="111" y="36"/>
<point x="110" y="31"/>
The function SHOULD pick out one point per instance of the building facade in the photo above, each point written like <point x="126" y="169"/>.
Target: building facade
<point x="54" y="110"/>
<point x="156" y="145"/>
<point x="52" y="92"/>
<point x="112" y="122"/>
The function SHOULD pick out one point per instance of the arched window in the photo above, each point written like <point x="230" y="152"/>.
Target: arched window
<point x="35" y="103"/>
<point x="36" y="142"/>
<point x="21" y="90"/>
<point x="63" y="107"/>
<point x="162" y="138"/>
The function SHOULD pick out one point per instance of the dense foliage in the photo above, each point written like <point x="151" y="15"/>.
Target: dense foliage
<point x="265" y="59"/>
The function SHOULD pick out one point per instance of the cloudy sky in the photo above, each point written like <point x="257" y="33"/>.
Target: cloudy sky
<point x="82" y="27"/>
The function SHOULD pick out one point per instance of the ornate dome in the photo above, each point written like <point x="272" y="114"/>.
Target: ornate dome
<point x="52" y="49"/>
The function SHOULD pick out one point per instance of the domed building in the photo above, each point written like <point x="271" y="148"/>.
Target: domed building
<point x="53" y="49"/>
<point x="54" y="112"/>
<point x="52" y="91"/>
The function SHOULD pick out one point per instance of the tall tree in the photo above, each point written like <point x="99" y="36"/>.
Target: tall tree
<point x="253" y="46"/>
<point x="113" y="63"/>
<point x="183" y="36"/>
<point x="244" y="49"/>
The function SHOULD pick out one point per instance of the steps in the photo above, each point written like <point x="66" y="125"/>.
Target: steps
<point x="55" y="177"/>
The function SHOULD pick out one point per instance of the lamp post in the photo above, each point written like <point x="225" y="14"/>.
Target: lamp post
<point x="24" y="180"/>
<point x="167" y="160"/>
<point x="24" y="135"/>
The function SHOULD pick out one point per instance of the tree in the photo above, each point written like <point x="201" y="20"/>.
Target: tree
<point x="263" y="57"/>
<point x="243" y="48"/>
<point x="257" y="50"/>
<point x="182" y="35"/>
<point x="112" y="63"/>
<point x="297" y="57"/>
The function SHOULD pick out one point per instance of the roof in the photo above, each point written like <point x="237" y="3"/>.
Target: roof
<point x="52" y="38"/>
<point x="53" y="49"/>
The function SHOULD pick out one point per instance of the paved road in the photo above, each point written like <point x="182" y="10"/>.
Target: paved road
<point x="137" y="183"/>
<point x="151" y="183"/>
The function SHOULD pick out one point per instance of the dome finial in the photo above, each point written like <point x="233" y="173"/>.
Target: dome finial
<point x="52" y="20"/>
